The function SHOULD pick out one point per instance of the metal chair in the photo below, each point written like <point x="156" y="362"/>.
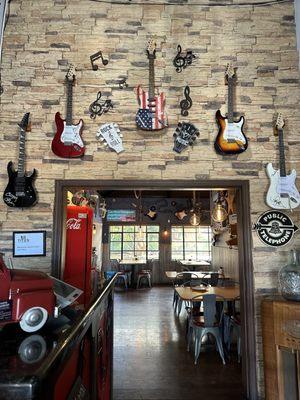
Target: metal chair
<point x="122" y="277"/>
<point x="187" y="279"/>
<point x="209" y="323"/>
<point x="232" y="325"/>
<point x="145" y="274"/>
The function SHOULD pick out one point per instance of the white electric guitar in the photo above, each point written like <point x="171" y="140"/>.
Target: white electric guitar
<point x="110" y="133"/>
<point x="282" y="193"/>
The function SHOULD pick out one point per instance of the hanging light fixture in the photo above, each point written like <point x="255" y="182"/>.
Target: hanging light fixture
<point x="219" y="214"/>
<point x="195" y="211"/>
<point x="138" y="196"/>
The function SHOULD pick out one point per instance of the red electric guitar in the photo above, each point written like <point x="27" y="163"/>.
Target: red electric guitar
<point x="67" y="142"/>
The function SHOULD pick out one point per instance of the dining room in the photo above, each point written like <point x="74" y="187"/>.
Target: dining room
<point x="177" y="297"/>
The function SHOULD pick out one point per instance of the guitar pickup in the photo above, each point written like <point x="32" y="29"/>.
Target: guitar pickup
<point x="20" y="194"/>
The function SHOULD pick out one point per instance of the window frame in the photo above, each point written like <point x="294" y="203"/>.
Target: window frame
<point x="134" y="251"/>
<point x="197" y="252"/>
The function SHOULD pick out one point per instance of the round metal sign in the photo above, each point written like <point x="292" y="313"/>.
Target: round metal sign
<point x="275" y="228"/>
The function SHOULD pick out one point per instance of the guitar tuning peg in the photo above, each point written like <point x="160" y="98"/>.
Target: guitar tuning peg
<point x="121" y="135"/>
<point x="174" y="135"/>
<point x="102" y="139"/>
<point x="105" y="145"/>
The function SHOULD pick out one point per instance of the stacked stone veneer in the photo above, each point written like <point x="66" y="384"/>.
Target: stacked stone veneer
<point x="43" y="37"/>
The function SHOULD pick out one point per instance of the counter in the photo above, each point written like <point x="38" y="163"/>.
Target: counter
<point x="70" y="358"/>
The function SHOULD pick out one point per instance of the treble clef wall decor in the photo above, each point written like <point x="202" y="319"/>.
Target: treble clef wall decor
<point x="181" y="62"/>
<point x="187" y="103"/>
<point x="96" y="108"/>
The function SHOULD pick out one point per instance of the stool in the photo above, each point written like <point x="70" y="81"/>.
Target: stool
<point x="144" y="274"/>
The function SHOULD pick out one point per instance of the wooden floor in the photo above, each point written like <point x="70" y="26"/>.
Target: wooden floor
<point x="150" y="357"/>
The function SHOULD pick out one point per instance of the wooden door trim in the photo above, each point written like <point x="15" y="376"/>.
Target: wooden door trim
<point x="249" y="363"/>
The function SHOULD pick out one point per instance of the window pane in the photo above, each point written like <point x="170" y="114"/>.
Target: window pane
<point x="115" y="246"/>
<point x="152" y="228"/>
<point x="177" y="236"/>
<point x="140" y="246"/>
<point x="190" y="246"/>
<point x="128" y="228"/>
<point x="153" y="246"/>
<point x="115" y="237"/>
<point x="115" y="255"/>
<point x="191" y="256"/>
<point x="128" y="246"/>
<point x="177" y="246"/>
<point x="128" y="237"/>
<point x="189" y="236"/>
<point x="177" y="255"/>
<point x="128" y="255"/>
<point x="153" y="237"/>
<point x="153" y="254"/>
<point x="115" y="228"/>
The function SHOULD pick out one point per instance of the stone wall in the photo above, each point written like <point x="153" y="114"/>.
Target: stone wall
<point x="43" y="37"/>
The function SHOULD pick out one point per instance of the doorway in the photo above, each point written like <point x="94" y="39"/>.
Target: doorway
<point x="245" y="246"/>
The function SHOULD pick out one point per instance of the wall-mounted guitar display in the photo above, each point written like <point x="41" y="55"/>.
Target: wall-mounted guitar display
<point x="282" y="192"/>
<point x="180" y="62"/>
<point x="19" y="191"/>
<point x="187" y="103"/>
<point x="97" y="108"/>
<point x="95" y="57"/>
<point x="184" y="135"/>
<point x="110" y="133"/>
<point x="151" y="114"/>
<point x="67" y="142"/>
<point x="230" y="139"/>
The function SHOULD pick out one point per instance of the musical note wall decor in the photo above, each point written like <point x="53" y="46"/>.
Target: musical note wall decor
<point x="97" y="108"/>
<point x="181" y="62"/>
<point x="187" y="103"/>
<point x="95" y="57"/>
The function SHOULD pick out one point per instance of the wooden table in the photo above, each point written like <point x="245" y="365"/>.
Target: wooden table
<point x="195" y="274"/>
<point x="229" y="293"/>
<point x="134" y="264"/>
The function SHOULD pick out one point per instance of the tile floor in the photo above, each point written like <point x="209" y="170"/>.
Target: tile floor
<point x="150" y="357"/>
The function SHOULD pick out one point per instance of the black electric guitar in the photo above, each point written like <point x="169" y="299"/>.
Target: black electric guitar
<point x="19" y="191"/>
<point x="184" y="135"/>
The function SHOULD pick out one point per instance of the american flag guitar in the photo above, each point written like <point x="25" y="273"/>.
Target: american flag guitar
<point x="151" y="114"/>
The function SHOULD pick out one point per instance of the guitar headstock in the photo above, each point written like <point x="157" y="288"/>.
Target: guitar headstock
<point x="151" y="49"/>
<point x="279" y="121"/>
<point x="25" y="124"/>
<point x="229" y="72"/>
<point x="184" y="135"/>
<point x="70" y="77"/>
<point x="111" y="135"/>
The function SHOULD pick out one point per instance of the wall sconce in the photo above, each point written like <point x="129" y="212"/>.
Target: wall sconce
<point x="165" y="233"/>
<point x="219" y="214"/>
<point x="195" y="219"/>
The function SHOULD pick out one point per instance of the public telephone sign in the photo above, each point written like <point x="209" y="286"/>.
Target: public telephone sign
<point x="274" y="228"/>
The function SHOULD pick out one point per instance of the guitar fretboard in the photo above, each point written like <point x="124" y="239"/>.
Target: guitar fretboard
<point x="69" y="117"/>
<point x="21" y="162"/>
<point x="151" y="78"/>
<point x="281" y="153"/>
<point x="230" y="99"/>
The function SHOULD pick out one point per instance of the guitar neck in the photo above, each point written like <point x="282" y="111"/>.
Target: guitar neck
<point x="69" y="117"/>
<point x="230" y="99"/>
<point x="21" y="162"/>
<point x="281" y="153"/>
<point x="151" y="79"/>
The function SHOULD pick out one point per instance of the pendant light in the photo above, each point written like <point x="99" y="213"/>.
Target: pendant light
<point x="219" y="214"/>
<point x="195" y="217"/>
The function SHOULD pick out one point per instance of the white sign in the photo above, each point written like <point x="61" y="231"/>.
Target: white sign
<point x="29" y="244"/>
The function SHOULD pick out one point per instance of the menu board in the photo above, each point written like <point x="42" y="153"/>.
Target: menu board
<point x="121" y="215"/>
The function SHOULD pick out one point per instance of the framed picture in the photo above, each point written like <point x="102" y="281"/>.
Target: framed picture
<point x="29" y="244"/>
<point x="121" y="215"/>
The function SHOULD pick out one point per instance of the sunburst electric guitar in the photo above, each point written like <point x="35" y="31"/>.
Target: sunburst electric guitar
<point x="151" y="114"/>
<point x="282" y="193"/>
<point x="67" y="142"/>
<point x="230" y="138"/>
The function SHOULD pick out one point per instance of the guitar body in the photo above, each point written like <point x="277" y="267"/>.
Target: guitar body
<point x="282" y="193"/>
<point x="230" y="138"/>
<point x="19" y="191"/>
<point x="67" y="142"/>
<point x="151" y="114"/>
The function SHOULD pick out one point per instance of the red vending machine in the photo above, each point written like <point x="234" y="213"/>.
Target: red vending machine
<point x="78" y="258"/>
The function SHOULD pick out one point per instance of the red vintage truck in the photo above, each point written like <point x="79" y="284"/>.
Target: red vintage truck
<point x="26" y="297"/>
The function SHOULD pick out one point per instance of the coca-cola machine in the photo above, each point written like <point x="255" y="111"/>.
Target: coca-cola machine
<point x="78" y="258"/>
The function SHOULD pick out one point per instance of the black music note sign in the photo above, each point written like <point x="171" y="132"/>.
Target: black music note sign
<point x="187" y="103"/>
<point x="181" y="62"/>
<point x="95" y="57"/>
<point x="96" y="108"/>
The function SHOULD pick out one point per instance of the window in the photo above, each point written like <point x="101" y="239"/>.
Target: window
<point x="191" y="243"/>
<point x="127" y="242"/>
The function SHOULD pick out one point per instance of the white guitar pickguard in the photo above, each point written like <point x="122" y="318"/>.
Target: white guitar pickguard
<point x="71" y="135"/>
<point x="233" y="131"/>
<point x="111" y="134"/>
<point x="282" y="192"/>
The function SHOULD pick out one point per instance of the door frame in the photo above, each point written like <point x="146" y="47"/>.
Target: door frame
<point x="245" y="247"/>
